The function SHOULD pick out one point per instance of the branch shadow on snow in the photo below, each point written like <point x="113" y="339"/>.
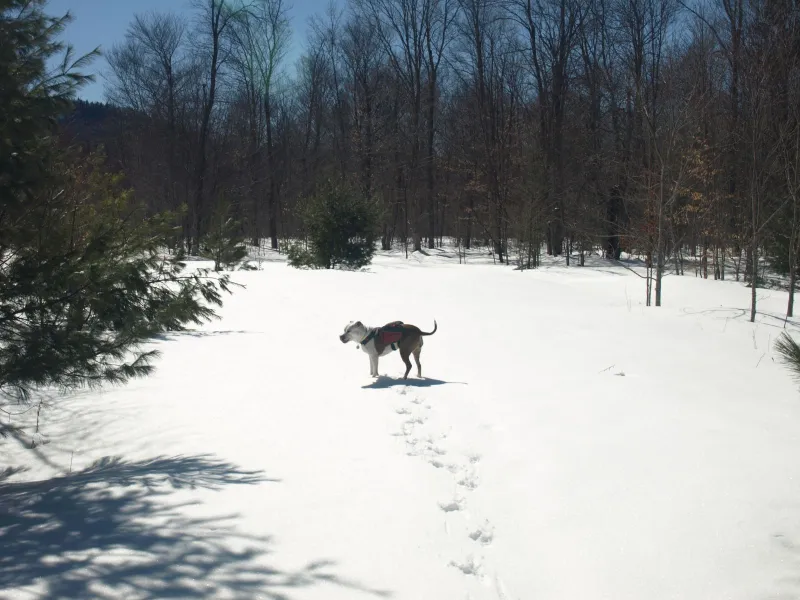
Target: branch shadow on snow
<point x="112" y="530"/>
<point x="770" y="319"/>
<point x="384" y="382"/>
<point x="9" y="472"/>
<point x="196" y="333"/>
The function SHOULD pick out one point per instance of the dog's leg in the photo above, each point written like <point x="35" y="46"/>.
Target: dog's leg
<point x="416" y="360"/>
<point x="404" y="356"/>
<point x="373" y="365"/>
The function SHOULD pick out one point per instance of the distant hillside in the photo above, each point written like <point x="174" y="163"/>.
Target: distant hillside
<point x="91" y="123"/>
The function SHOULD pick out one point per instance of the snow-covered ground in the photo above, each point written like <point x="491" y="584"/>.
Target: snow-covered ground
<point x="565" y="443"/>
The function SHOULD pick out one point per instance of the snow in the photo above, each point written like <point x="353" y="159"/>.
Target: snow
<point x="565" y="442"/>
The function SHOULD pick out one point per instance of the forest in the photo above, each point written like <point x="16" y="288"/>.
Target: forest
<point x="662" y="129"/>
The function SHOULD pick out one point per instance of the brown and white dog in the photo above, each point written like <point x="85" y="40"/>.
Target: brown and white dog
<point x="380" y="341"/>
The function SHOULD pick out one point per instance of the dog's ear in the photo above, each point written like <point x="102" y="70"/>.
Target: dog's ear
<point x="359" y="324"/>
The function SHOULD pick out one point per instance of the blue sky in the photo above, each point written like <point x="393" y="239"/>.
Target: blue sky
<point x="103" y="23"/>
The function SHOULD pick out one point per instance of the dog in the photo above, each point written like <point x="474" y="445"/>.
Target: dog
<point x="380" y="341"/>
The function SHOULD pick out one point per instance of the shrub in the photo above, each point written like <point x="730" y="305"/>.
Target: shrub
<point x="224" y="243"/>
<point x="342" y="228"/>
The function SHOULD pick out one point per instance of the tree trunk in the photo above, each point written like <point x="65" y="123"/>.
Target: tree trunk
<point x="385" y="245"/>
<point x="253" y="152"/>
<point x="497" y="234"/>
<point x="272" y="203"/>
<point x="569" y="249"/>
<point x="704" y="258"/>
<point x="468" y="234"/>
<point x="754" y="279"/>
<point x="198" y="217"/>
<point x="430" y="166"/>
<point x="659" y="276"/>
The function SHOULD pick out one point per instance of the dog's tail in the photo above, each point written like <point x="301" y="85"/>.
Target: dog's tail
<point x="435" y="326"/>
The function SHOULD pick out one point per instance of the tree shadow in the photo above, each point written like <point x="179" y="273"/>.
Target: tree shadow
<point x="9" y="472"/>
<point x="196" y="333"/>
<point x="384" y="382"/>
<point x="766" y="318"/>
<point x="112" y="530"/>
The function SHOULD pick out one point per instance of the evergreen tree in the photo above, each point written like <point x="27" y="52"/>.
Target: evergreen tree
<point x="224" y="243"/>
<point x="342" y="227"/>
<point x="84" y="280"/>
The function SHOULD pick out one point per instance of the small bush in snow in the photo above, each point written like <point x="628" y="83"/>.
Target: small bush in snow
<point x="224" y="243"/>
<point x="342" y="228"/>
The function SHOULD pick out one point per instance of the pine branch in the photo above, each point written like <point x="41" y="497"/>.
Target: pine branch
<point x="789" y="351"/>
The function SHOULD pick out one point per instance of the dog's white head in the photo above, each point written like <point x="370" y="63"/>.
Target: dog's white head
<point x="354" y="332"/>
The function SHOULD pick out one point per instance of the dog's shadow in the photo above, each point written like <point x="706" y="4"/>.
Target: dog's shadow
<point x="384" y="382"/>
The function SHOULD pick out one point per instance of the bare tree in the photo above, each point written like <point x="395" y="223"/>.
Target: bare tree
<point x="790" y="148"/>
<point x="215" y="17"/>
<point x="363" y="56"/>
<point x="261" y="34"/>
<point x="489" y="67"/>
<point x="312" y="99"/>
<point x="401" y="27"/>
<point x="438" y="16"/>
<point x="667" y="142"/>
<point x="760" y="162"/>
<point x="551" y="29"/>
<point x="151" y="75"/>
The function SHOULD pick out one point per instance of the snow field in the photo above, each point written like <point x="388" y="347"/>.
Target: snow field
<point x="564" y="442"/>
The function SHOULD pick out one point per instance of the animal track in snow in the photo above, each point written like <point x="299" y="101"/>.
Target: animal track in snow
<point x="470" y="566"/>
<point x="430" y="445"/>
<point x="468" y="477"/>
<point x="427" y="442"/>
<point x="413" y="450"/>
<point x="469" y="481"/>
<point x="439" y="463"/>
<point x="483" y="534"/>
<point x="453" y="505"/>
<point x="410" y="424"/>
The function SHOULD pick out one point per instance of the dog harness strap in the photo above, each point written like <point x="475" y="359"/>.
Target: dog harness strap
<point x="372" y="333"/>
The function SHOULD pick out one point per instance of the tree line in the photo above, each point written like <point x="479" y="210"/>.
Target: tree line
<point x="666" y="129"/>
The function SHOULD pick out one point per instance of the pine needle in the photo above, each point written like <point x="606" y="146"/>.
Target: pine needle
<point x="789" y="351"/>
